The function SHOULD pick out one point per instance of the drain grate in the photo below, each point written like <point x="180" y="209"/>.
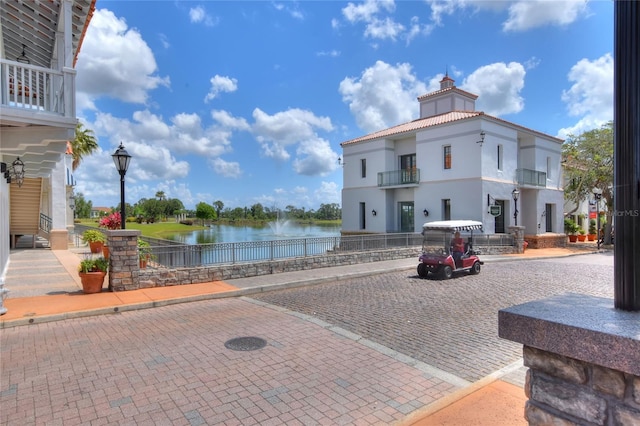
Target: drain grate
<point x="245" y="343"/>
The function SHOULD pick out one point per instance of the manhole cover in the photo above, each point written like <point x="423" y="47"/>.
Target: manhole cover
<point x="245" y="344"/>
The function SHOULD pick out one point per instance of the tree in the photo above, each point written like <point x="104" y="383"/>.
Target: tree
<point x="588" y="165"/>
<point x="219" y="205"/>
<point x="160" y="195"/>
<point x="83" y="207"/>
<point x="205" y="211"/>
<point x="329" y="212"/>
<point x="82" y="145"/>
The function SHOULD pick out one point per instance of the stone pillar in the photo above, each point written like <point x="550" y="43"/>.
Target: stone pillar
<point x="518" y="237"/>
<point x="124" y="263"/>
<point x="59" y="239"/>
<point x="583" y="358"/>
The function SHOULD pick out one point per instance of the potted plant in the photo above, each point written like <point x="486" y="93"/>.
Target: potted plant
<point x="571" y="228"/>
<point x="144" y="252"/>
<point x="95" y="239"/>
<point x="591" y="236"/>
<point x="582" y="235"/>
<point x="92" y="271"/>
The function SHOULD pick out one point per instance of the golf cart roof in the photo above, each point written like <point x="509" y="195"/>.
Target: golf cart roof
<point x="453" y="225"/>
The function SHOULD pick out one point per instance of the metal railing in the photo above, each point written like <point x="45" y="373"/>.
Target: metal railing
<point x="186" y="255"/>
<point x="45" y="223"/>
<point x="531" y="177"/>
<point x="399" y="177"/>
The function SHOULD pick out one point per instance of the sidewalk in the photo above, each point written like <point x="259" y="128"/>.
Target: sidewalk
<point x="491" y="401"/>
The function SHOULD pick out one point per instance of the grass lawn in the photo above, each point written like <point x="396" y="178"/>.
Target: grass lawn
<point x="154" y="230"/>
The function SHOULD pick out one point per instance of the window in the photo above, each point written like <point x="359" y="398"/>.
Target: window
<point x="363" y="167"/>
<point x="446" y="209"/>
<point x="408" y="168"/>
<point x="447" y="156"/>
<point x="499" y="157"/>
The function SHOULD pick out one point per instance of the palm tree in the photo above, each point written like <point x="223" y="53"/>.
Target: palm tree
<point x="83" y="144"/>
<point x="160" y="195"/>
<point x="219" y="205"/>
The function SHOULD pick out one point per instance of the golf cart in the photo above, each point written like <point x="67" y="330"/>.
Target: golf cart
<point x="437" y="250"/>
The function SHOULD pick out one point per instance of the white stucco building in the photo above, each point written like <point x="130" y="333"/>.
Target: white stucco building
<point x="39" y="45"/>
<point x="452" y="163"/>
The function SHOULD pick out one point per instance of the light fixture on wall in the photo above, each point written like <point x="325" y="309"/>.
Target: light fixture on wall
<point x="516" y="194"/>
<point x="23" y="58"/>
<point x="340" y="162"/>
<point x="425" y="212"/>
<point x="481" y="141"/>
<point x="14" y="173"/>
<point x="121" y="158"/>
<point x="373" y="212"/>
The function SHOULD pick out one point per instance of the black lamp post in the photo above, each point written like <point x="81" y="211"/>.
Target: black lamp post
<point x="121" y="158"/>
<point x="515" y="193"/>
<point x="597" y="195"/>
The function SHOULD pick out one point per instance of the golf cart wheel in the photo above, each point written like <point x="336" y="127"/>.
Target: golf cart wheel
<point x="447" y="272"/>
<point x="422" y="270"/>
<point x="475" y="269"/>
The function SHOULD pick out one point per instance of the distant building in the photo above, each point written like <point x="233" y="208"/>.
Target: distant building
<point x="97" y="212"/>
<point x="452" y="163"/>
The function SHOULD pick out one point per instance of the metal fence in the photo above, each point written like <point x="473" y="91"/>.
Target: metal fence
<point x="186" y="255"/>
<point x="171" y="254"/>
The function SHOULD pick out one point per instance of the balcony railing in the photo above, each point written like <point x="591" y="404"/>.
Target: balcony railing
<point x="399" y="177"/>
<point x="32" y="87"/>
<point x="531" y="177"/>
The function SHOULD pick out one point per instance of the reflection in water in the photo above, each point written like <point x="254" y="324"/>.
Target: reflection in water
<point x="233" y="234"/>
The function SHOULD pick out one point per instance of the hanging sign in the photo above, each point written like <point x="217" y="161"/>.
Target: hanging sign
<point x="495" y="210"/>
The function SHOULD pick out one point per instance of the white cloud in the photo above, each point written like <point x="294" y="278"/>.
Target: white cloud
<point x="383" y="29"/>
<point x="365" y="12"/>
<point x="225" y="168"/>
<point x="199" y="15"/>
<point x="591" y="95"/>
<point x="328" y="193"/>
<point x="333" y="53"/>
<point x="383" y="96"/>
<point x="115" y="62"/>
<point x="221" y="84"/>
<point x="276" y="132"/>
<point x="498" y="87"/>
<point x="528" y="14"/>
<point x="315" y="158"/>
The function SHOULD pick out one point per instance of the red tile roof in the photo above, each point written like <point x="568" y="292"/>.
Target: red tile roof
<point x="436" y="120"/>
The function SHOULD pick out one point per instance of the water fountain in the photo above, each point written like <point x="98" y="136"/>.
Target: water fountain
<point x="278" y="226"/>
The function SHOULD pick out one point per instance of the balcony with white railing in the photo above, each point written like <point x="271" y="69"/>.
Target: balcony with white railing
<point x="26" y="88"/>
<point x="527" y="177"/>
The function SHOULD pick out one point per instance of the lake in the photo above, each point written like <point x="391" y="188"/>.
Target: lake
<point x="281" y="230"/>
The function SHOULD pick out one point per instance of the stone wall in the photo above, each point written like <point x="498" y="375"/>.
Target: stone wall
<point x="546" y="240"/>
<point x="566" y="391"/>
<point x="161" y="277"/>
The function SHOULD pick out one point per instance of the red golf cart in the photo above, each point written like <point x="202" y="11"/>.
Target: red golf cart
<point x="437" y="252"/>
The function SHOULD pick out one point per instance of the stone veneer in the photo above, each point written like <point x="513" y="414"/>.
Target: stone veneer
<point x="124" y="263"/>
<point x="546" y="240"/>
<point x="160" y="277"/>
<point x="583" y="357"/>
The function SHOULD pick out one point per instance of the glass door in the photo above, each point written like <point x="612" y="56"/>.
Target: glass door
<point x="406" y="216"/>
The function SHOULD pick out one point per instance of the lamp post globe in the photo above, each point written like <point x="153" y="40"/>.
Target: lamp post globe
<point x="121" y="158"/>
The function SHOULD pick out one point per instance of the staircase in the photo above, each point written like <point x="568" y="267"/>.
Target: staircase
<point x="25" y="210"/>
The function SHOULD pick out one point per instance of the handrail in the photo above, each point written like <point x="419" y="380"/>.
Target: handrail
<point x="45" y="223"/>
<point x="26" y="86"/>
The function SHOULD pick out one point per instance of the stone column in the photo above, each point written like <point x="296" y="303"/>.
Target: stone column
<point x="124" y="263"/>
<point x="518" y="237"/>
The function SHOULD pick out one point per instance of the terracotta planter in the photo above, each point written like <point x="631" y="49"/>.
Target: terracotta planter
<point x="92" y="281"/>
<point x="105" y="252"/>
<point x="96" y="246"/>
<point x="573" y="238"/>
<point x="582" y="238"/>
<point x="591" y="237"/>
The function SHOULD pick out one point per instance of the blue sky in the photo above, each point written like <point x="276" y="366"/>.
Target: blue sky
<point x="248" y="101"/>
